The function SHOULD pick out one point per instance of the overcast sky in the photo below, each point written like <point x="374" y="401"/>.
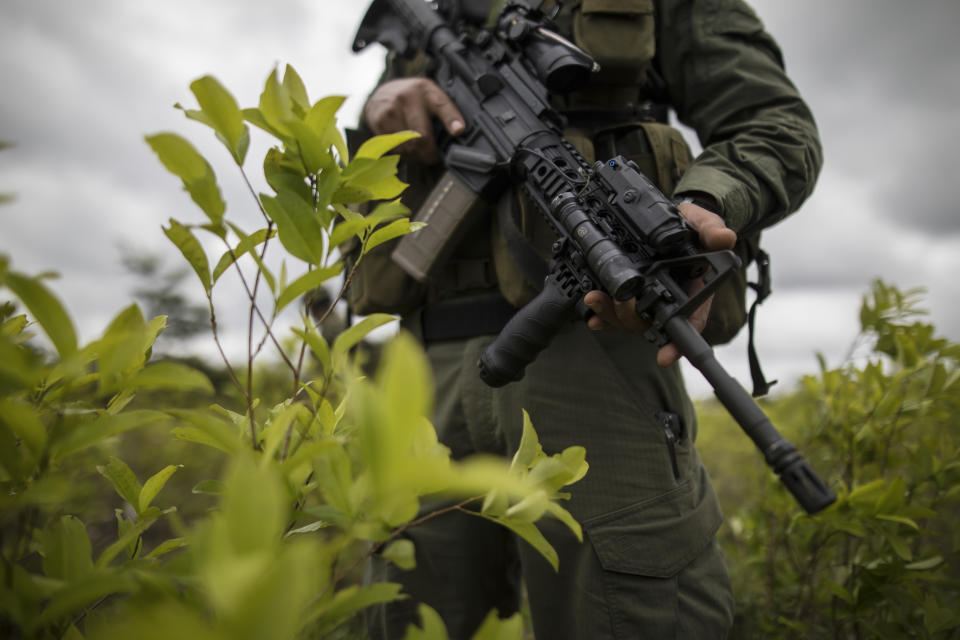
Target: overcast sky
<point x="83" y="82"/>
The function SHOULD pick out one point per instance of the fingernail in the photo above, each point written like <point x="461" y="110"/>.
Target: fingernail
<point x="456" y="127"/>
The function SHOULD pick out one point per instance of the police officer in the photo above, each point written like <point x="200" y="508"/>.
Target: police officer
<point x="649" y="565"/>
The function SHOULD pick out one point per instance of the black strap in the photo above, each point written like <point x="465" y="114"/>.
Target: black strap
<point x="762" y="287"/>
<point x="459" y="319"/>
<point x="594" y="117"/>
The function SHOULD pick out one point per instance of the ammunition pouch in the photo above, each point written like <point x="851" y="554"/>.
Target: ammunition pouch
<point x="619" y="35"/>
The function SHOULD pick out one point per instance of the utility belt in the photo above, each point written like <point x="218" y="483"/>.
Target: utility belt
<point x="459" y="318"/>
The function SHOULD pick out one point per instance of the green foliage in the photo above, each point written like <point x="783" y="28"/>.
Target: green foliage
<point x="883" y="562"/>
<point x="308" y="466"/>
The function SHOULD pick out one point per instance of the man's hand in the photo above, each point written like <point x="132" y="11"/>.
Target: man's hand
<point x="410" y="104"/>
<point x="622" y="316"/>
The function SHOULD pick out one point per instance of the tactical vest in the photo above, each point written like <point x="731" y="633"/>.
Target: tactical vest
<point x="619" y="112"/>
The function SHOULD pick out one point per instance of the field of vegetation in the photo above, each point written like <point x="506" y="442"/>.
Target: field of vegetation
<point x="154" y="497"/>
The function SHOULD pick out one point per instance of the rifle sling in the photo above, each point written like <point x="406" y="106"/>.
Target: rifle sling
<point x="762" y="288"/>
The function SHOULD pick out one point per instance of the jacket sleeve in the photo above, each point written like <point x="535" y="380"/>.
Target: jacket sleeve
<point x="725" y="78"/>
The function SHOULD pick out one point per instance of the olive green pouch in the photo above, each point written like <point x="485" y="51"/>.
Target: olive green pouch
<point x="618" y="34"/>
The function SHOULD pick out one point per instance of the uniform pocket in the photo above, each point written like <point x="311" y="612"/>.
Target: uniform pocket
<point x="658" y="537"/>
<point x="619" y="34"/>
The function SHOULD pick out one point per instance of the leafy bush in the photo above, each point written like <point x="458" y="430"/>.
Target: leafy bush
<point x="883" y="562"/>
<point x="312" y="483"/>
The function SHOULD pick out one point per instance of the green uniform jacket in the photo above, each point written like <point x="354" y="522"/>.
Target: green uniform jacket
<point x="724" y="77"/>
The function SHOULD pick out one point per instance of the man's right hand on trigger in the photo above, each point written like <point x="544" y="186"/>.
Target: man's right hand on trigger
<point x="410" y="104"/>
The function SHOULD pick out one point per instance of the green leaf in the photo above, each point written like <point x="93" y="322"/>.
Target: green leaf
<point x="900" y="547"/>
<point x="276" y="105"/>
<point x="926" y="565"/>
<point x="255" y="117"/>
<point x="208" y="487"/>
<point x="205" y="428"/>
<point x="274" y="433"/>
<point x="247" y="244"/>
<point x="900" y="519"/>
<point x="154" y="484"/>
<point x="46" y="310"/>
<point x="79" y="594"/>
<point x="393" y="230"/>
<point x="566" y="518"/>
<point x="851" y="526"/>
<point x="18" y="368"/>
<point x="529" y="450"/>
<point x="401" y="553"/>
<point x="431" y="626"/>
<point x="87" y="432"/>
<point x="293" y="85"/>
<point x="314" y="153"/>
<point x="72" y="634"/>
<point x="349" y="229"/>
<point x="67" y="552"/>
<point x="223" y="114"/>
<point x="192" y="250"/>
<point x="322" y="115"/>
<point x="529" y="532"/>
<point x="284" y="174"/>
<point x="376" y="146"/>
<point x="182" y="160"/>
<point x="23" y="421"/>
<point x="130" y="538"/>
<point x="321" y="119"/>
<point x="868" y="492"/>
<point x="254" y="506"/>
<point x="366" y="179"/>
<point x="298" y="226"/>
<point x="13" y="326"/>
<point x="309" y="281"/>
<point x="495" y="503"/>
<point x="841" y="592"/>
<point x="171" y="376"/>
<point x="124" y="481"/>
<point x="530" y="508"/>
<point x="347" y="602"/>
<point x="388" y="211"/>
<point x="318" y="346"/>
<point x="349" y="338"/>
<point x="123" y="349"/>
<point x="167" y="546"/>
<point x="494" y="628"/>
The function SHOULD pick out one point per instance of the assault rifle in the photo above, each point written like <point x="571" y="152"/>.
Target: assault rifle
<point x="616" y="231"/>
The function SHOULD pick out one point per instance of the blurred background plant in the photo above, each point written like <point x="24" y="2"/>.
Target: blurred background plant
<point x="884" y="428"/>
<point x="160" y="496"/>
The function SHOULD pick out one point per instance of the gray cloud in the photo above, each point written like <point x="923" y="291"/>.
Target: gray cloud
<point x="883" y="79"/>
<point x="84" y="82"/>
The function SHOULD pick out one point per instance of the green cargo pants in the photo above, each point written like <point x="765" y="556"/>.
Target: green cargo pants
<point x="649" y="565"/>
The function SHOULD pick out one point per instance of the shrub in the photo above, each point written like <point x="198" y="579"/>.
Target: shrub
<point x="312" y="483"/>
<point x="883" y="561"/>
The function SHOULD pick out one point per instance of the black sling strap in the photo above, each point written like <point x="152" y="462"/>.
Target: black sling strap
<point x="762" y="287"/>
